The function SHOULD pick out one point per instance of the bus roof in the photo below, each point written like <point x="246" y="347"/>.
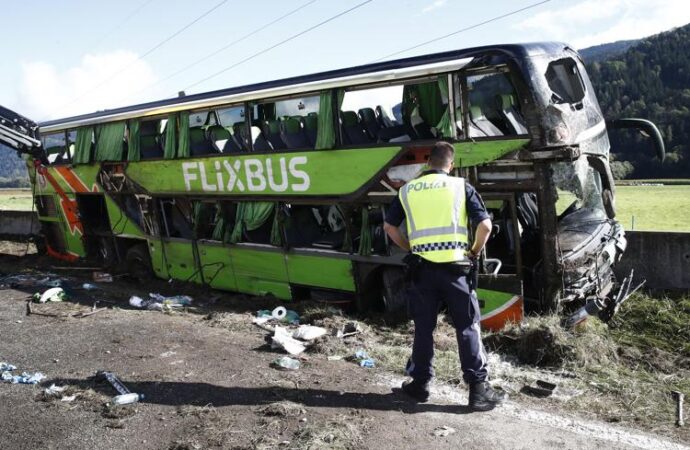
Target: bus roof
<point x="416" y="66"/>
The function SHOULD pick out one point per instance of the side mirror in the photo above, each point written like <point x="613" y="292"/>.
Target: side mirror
<point x="646" y="128"/>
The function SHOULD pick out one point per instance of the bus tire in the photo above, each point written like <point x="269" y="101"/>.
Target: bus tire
<point x="394" y="299"/>
<point x="139" y="262"/>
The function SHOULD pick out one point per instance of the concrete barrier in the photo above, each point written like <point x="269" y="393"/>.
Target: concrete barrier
<point x="662" y="258"/>
<point x="18" y="224"/>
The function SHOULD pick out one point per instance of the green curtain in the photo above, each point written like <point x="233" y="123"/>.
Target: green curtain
<point x="325" y="131"/>
<point x="430" y="103"/>
<point x="444" y="125"/>
<point x="134" y="146"/>
<point x="250" y="216"/>
<point x="183" y="149"/>
<point x="170" y="141"/>
<point x="110" y="142"/>
<point x="365" y="234"/>
<point x="278" y="222"/>
<point x="82" y="150"/>
<point x="347" y="239"/>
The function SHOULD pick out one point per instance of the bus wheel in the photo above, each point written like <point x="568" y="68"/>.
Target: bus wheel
<point x="139" y="262"/>
<point x="394" y="301"/>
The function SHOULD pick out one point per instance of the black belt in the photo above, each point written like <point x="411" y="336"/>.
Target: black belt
<point x="459" y="268"/>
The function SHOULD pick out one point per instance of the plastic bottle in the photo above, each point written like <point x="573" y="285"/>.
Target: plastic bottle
<point x="125" y="399"/>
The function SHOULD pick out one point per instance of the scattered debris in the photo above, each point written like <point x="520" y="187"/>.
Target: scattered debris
<point x="283" y="339"/>
<point x="89" y="287"/>
<point x="679" y="397"/>
<point x="309" y="332"/>
<point x="7" y="366"/>
<point x="54" y="391"/>
<point x="24" y="378"/>
<point x="285" y="363"/>
<point x="540" y="389"/>
<point x="56" y="294"/>
<point x="102" y="277"/>
<point x="126" y="396"/>
<point x="349" y="329"/>
<point x="280" y="313"/>
<point x="30" y="281"/>
<point x="363" y="359"/>
<point x="335" y="358"/>
<point x="159" y="302"/>
<point x="444" y="431"/>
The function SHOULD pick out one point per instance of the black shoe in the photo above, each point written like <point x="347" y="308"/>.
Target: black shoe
<point x="418" y="390"/>
<point x="484" y="398"/>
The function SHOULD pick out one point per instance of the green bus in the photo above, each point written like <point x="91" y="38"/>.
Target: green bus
<point x="280" y="188"/>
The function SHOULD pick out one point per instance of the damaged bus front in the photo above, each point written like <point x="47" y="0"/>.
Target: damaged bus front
<point x="570" y="215"/>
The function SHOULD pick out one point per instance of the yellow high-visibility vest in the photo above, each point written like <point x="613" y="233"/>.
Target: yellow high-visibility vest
<point x="436" y="217"/>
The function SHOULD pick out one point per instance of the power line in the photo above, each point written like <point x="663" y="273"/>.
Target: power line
<point x="294" y="36"/>
<point x="121" y="23"/>
<point x="464" y="29"/>
<point x="148" y="52"/>
<point x="225" y="47"/>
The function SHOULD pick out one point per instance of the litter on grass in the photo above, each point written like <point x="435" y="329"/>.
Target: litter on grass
<point x="56" y="294"/>
<point x="309" y="332"/>
<point x="286" y="363"/>
<point x="280" y="313"/>
<point x="362" y="358"/>
<point x="158" y="302"/>
<point x="7" y="366"/>
<point x="54" y="391"/>
<point x="24" y="378"/>
<point x="283" y="339"/>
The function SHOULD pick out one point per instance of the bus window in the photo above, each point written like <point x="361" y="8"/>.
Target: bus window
<point x="565" y="81"/>
<point x="55" y="148"/>
<point x="200" y="140"/>
<point x="316" y="226"/>
<point x="227" y="134"/>
<point x="397" y="113"/>
<point x="71" y="142"/>
<point x="285" y="124"/>
<point x="150" y="139"/>
<point x="494" y="109"/>
<point x="176" y="218"/>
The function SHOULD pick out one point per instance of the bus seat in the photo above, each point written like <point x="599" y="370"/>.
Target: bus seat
<point x="383" y="118"/>
<point x="506" y="107"/>
<point x="199" y="143"/>
<point x="353" y="131"/>
<point x="259" y="142"/>
<point x="292" y="132"/>
<point x="271" y="130"/>
<point x="240" y="132"/>
<point x="219" y="136"/>
<point x="232" y="145"/>
<point x="148" y="140"/>
<point x="311" y="125"/>
<point x="480" y="126"/>
<point x="371" y="125"/>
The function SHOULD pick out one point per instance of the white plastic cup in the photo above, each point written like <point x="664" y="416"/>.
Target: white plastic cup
<point x="279" y="313"/>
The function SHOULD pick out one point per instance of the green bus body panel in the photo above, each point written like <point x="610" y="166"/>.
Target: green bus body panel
<point x="179" y="256"/>
<point x="120" y="223"/>
<point x="157" y="263"/>
<point x="492" y="299"/>
<point x="320" y="172"/>
<point x="468" y="154"/>
<point x="321" y="271"/>
<point x="260" y="272"/>
<point x="216" y="265"/>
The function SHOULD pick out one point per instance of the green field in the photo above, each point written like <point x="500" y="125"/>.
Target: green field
<point x="654" y="208"/>
<point x="15" y="199"/>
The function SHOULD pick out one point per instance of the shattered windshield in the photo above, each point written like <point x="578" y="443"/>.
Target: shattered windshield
<point x="578" y="186"/>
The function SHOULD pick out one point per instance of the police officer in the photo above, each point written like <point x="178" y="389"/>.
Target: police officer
<point x="436" y="207"/>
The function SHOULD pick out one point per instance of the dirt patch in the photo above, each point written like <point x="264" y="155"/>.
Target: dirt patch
<point x="343" y="432"/>
<point x="282" y="409"/>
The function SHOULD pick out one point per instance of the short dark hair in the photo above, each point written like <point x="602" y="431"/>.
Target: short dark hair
<point x="441" y="154"/>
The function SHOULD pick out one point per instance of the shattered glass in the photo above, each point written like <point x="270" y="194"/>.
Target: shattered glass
<point x="578" y="186"/>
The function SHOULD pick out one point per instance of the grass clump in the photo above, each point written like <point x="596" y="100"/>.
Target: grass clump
<point x="340" y="433"/>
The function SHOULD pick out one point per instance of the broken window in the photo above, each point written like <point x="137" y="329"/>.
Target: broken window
<point x="317" y="226"/>
<point x="55" y="148"/>
<point x="578" y="186"/>
<point x="176" y="218"/>
<point x="565" y="81"/>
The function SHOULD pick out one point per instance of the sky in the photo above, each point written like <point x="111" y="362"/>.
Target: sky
<point x="78" y="56"/>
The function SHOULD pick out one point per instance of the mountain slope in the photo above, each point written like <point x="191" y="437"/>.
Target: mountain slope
<point x="603" y="52"/>
<point x="650" y="80"/>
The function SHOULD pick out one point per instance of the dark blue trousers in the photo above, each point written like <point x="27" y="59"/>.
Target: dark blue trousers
<point x="434" y="285"/>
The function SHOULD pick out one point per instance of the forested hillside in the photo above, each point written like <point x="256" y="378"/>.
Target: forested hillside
<point x="605" y="51"/>
<point x="651" y="80"/>
<point x="12" y="169"/>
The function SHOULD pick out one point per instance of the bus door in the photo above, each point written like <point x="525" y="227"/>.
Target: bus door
<point x="499" y="289"/>
<point x="176" y="252"/>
